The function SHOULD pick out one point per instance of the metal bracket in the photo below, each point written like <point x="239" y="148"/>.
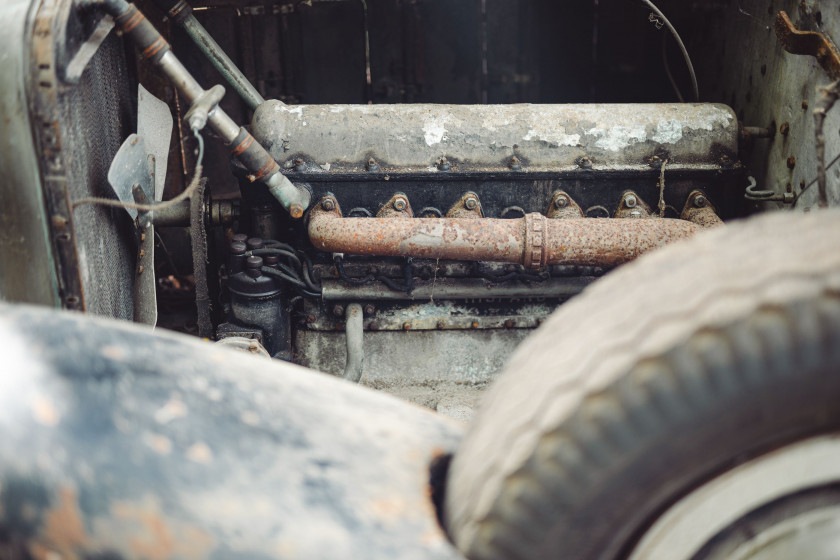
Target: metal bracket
<point x="809" y="43"/>
<point x="753" y="194"/>
<point x="468" y="207"/>
<point x="563" y="207"/>
<point x="631" y="206"/>
<point x="700" y="211"/>
<point x="396" y="207"/>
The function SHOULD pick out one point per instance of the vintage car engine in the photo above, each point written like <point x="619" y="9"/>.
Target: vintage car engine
<point x="407" y="239"/>
<point x="462" y="224"/>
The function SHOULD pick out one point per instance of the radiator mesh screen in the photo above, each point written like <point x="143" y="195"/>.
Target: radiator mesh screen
<point x="96" y="115"/>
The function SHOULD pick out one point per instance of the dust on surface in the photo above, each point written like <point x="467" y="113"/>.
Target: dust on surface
<point x="455" y="400"/>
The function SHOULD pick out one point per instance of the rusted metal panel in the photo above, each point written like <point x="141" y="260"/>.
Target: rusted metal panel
<point x="534" y="241"/>
<point x="117" y="442"/>
<point x="342" y="138"/>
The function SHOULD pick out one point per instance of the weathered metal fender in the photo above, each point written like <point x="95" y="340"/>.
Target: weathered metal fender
<point x="120" y="442"/>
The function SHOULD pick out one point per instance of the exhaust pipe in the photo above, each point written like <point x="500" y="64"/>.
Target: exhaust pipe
<point x="533" y="241"/>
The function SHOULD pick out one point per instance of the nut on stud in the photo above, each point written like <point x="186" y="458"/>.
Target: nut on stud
<point x="470" y="203"/>
<point x="700" y="201"/>
<point x="630" y="201"/>
<point x="328" y="204"/>
<point x="561" y="201"/>
<point x="400" y="203"/>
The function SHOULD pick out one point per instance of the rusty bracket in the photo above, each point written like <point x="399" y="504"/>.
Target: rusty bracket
<point x="396" y="207"/>
<point x="467" y="207"/>
<point x="632" y="206"/>
<point x="809" y="43"/>
<point x="700" y="211"/>
<point x="563" y="207"/>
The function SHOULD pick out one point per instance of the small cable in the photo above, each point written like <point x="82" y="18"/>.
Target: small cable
<point x="187" y="193"/>
<point x="679" y="40"/>
<point x="814" y="182"/>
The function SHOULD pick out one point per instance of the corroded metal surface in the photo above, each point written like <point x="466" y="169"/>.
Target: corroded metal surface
<point x="534" y="241"/>
<point x="809" y="43"/>
<point x="700" y="211"/>
<point x="119" y="443"/>
<point x="542" y="137"/>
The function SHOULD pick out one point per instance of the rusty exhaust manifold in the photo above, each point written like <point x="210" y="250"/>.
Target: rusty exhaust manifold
<point x="533" y="241"/>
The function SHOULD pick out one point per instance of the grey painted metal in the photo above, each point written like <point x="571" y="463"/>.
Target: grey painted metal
<point x="768" y="85"/>
<point x="130" y="167"/>
<point x="543" y="137"/>
<point x="154" y="125"/>
<point x="461" y="288"/>
<point x="427" y="359"/>
<point x="354" y="331"/>
<point x="27" y="269"/>
<point x="76" y="67"/>
<point x="222" y="62"/>
<point x="119" y="442"/>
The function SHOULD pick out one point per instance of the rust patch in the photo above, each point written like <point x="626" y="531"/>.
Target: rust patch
<point x="141" y="530"/>
<point x="63" y="533"/>
<point x="200" y="452"/>
<point x="44" y="411"/>
<point x="808" y="43"/>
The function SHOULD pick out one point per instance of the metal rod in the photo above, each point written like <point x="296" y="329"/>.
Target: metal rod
<point x="251" y="153"/>
<point x="460" y="288"/>
<point x="355" y="330"/>
<point x="533" y="241"/>
<point x="221" y="61"/>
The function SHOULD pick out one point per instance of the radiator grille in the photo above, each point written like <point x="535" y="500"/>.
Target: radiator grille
<point x="96" y="115"/>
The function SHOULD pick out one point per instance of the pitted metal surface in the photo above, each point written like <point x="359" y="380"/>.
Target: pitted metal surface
<point x="483" y="137"/>
<point x="533" y="241"/>
<point x="116" y="442"/>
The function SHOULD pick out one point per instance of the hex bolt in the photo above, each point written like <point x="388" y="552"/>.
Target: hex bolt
<point x="470" y="203"/>
<point x="561" y="201"/>
<point x="791" y="162"/>
<point x="328" y="204"/>
<point x="338" y="311"/>
<point x="400" y="204"/>
<point x="443" y="164"/>
<point x="784" y="130"/>
<point x="630" y="201"/>
<point x="514" y="164"/>
<point x="369" y="309"/>
<point x="700" y="201"/>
